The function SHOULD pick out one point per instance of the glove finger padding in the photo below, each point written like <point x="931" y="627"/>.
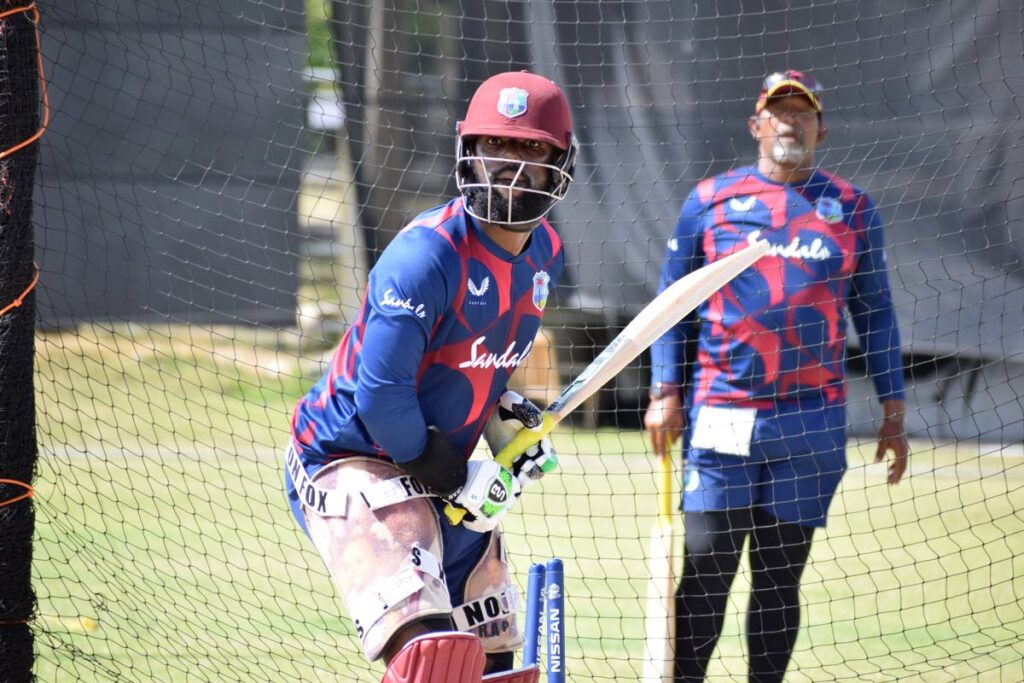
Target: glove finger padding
<point x="489" y="493"/>
<point x="514" y="412"/>
<point x="535" y="462"/>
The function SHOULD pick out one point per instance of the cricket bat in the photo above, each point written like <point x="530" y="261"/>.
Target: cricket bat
<point x="659" y="610"/>
<point x="667" y="309"/>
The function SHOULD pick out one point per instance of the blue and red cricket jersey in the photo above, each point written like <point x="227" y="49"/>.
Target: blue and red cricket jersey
<point x="778" y="331"/>
<point x="771" y="345"/>
<point x="448" y="316"/>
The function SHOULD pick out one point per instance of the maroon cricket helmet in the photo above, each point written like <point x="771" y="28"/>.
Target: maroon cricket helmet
<point x="521" y="105"/>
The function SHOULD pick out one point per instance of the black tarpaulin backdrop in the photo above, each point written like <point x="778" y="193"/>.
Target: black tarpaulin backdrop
<point x="923" y="107"/>
<point x="169" y="172"/>
<point x="923" y="103"/>
<point x="168" y="178"/>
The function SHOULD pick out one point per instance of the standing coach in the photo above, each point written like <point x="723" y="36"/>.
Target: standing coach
<point x="764" y="412"/>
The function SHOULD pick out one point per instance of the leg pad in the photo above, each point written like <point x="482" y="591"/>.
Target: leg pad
<point x="438" y="658"/>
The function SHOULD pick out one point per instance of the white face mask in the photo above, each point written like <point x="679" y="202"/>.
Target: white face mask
<point x="497" y="207"/>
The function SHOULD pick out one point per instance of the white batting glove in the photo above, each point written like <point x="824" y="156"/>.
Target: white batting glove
<point x="489" y="493"/>
<point x="514" y="412"/>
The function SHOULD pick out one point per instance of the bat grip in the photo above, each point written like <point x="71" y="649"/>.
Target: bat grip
<point x="523" y="439"/>
<point x="665" y="490"/>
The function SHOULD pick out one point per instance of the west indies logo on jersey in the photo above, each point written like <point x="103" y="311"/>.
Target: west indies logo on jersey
<point x="540" y="289"/>
<point x="829" y="209"/>
<point x="512" y="102"/>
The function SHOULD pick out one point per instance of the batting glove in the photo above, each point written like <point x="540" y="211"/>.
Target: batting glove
<point x="514" y="412"/>
<point x="489" y="493"/>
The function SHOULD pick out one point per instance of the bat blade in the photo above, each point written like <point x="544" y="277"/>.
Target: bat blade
<point x="657" y="318"/>
<point x="667" y="309"/>
<point x="659" y="607"/>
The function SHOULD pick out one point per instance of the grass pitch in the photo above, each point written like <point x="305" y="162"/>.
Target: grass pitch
<point x="165" y="551"/>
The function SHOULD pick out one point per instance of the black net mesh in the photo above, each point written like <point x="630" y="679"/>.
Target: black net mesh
<point x="217" y="180"/>
<point x="19" y="123"/>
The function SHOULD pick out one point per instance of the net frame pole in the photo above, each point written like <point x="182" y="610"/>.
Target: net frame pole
<point x="20" y="73"/>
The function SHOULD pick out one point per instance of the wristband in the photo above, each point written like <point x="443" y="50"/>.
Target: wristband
<point x="660" y="390"/>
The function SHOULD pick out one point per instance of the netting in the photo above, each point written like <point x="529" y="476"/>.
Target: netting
<point x="19" y="132"/>
<point x="218" y="178"/>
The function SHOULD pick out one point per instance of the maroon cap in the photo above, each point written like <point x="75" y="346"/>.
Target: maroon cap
<point x="522" y="105"/>
<point x="789" y="82"/>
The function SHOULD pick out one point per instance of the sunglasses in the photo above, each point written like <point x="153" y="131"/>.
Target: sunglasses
<point x="775" y="79"/>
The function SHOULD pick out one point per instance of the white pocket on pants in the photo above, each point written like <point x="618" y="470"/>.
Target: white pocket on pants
<point x="724" y="430"/>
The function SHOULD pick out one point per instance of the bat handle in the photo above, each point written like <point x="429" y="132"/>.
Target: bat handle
<point x="665" y="490"/>
<point x="523" y="439"/>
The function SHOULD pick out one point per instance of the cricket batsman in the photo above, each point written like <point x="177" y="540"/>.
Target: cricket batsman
<point x="382" y="442"/>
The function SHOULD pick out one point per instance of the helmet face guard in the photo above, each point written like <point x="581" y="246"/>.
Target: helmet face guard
<point x="522" y="106"/>
<point x="471" y="178"/>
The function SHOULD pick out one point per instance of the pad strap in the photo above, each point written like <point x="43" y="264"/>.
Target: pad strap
<point x="313" y="498"/>
<point x="392" y="491"/>
<point x="492" y="606"/>
<point x="389" y="591"/>
<point x="335" y="503"/>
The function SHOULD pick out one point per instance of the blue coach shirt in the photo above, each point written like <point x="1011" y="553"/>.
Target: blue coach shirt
<point x="778" y="331"/>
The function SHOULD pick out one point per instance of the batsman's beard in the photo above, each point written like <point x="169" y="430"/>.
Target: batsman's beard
<point x="492" y="203"/>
